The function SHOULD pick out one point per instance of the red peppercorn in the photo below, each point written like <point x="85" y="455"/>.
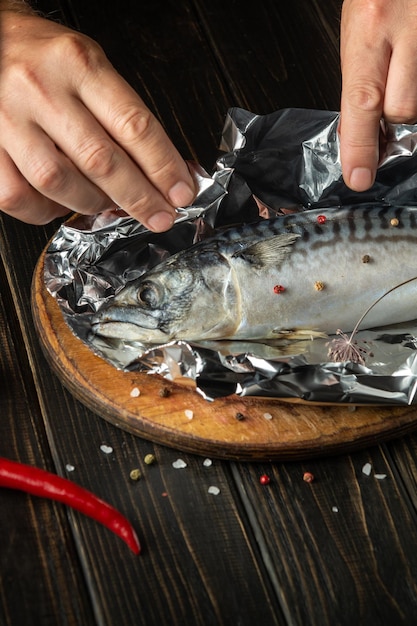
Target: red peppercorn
<point x="264" y="479"/>
<point x="308" y="477"/>
<point x="279" y="288"/>
<point x="321" y="219"/>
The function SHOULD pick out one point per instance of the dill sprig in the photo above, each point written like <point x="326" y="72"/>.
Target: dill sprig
<point x="344" y="347"/>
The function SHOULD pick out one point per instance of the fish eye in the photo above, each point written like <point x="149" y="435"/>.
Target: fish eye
<point x="148" y="294"/>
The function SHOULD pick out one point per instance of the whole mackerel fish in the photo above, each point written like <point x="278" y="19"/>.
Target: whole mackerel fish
<point x="301" y="275"/>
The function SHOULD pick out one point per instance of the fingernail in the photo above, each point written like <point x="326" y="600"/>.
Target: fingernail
<point x="181" y="194"/>
<point x="361" y="179"/>
<point x="159" y="222"/>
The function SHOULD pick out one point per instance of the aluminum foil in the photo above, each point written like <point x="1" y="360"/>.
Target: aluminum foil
<point x="268" y="165"/>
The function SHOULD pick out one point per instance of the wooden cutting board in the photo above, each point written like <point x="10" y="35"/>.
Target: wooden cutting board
<point x="177" y="416"/>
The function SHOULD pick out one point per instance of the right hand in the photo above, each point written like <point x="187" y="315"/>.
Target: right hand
<point x="379" y="71"/>
<point x="75" y="136"/>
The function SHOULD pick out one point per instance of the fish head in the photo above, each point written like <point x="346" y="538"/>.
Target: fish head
<point x="187" y="297"/>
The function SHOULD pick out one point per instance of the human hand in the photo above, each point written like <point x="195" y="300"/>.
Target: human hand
<point x="75" y="136"/>
<point x="379" y="72"/>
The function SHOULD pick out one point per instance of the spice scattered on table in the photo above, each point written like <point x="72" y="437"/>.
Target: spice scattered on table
<point x="308" y="477"/>
<point x="214" y="490"/>
<point x="264" y="479"/>
<point x="267" y="416"/>
<point x="380" y="476"/>
<point x="135" y="474"/>
<point x="41" y="483"/>
<point x="367" y="469"/>
<point x="135" y="393"/>
<point x="149" y="459"/>
<point x="335" y="509"/>
<point x="106" y="449"/>
<point x="179" y="464"/>
<point x="207" y="462"/>
<point x="69" y="467"/>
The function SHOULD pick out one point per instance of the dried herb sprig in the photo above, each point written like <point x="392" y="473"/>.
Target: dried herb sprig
<point x="343" y="347"/>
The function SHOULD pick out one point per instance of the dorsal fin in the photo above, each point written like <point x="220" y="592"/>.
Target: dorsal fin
<point x="270" y="251"/>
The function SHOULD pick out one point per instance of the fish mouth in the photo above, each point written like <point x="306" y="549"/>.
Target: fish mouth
<point x="124" y="322"/>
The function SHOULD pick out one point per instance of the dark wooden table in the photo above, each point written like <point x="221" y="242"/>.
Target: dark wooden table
<point x="341" y="550"/>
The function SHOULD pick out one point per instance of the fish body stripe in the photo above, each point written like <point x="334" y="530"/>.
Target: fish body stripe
<point x="360" y="224"/>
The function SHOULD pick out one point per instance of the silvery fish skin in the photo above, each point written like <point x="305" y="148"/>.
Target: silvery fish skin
<point x="295" y="276"/>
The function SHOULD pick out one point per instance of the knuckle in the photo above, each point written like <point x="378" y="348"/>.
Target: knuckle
<point x="12" y="197"/>
<point x="14" y="201"/>
<point x="69" y="49"/>
<point x="133" y="123"/>
<point x="373" y="12"/>
<point x="47" y="176"/>
<point x="83" y="53"/>
<point x="18" y="77"/>
<point x="366" y="96"/>
<point x="139" y="206"/>
<point x="400" y="113"/>
<point x="98" y="159"/>
<point x="374" y="8"/>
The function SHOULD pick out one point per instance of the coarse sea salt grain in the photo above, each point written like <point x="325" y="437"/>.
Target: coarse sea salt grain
<point x="380" y="476"/>
<point x="207" y="462"/>
<point x="106" y="449"/>
<point x="214" y="490"/>
<point x="189" y="414"/>
<point x="335" y="509"/>
<point x="267" y="416"/>
<point x="367" y="469"/>
<point x="179" y="464"/>
<point x="69" y="467"/>
<point x="135" y="393"/>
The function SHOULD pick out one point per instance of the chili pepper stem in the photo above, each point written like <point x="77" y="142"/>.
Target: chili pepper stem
<point x="39" y="482"/>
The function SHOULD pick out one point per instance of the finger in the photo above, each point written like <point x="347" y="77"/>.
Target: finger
<point x="51" y="173"/>
<point x="125" y="117"/>
<point x="103" y="162"/>
<point x="400" y="103"/>
<point x="103" y="165"/>
<point x="364" y="74"/>
<point x="20" y="200"/>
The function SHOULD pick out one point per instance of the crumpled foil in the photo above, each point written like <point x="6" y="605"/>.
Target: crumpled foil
<point x="268" y="165"/>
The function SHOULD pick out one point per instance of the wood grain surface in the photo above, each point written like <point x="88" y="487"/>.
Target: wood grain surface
<point x="340" y="550"/>
<point x="267" y="429"/>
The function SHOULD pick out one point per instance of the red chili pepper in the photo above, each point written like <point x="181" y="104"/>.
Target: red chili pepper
<point x="39" y="482"/>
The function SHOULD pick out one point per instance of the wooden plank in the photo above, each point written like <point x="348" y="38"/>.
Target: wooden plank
<point x="40" y="579"/>
<point x="277" y="55"/>
<point x="343" y="546"/>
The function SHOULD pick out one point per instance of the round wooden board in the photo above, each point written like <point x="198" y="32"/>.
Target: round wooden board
<point x="297" y="430"/>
